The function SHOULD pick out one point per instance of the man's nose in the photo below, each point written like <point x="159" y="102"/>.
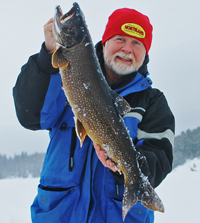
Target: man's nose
<point x="127" y="48"/>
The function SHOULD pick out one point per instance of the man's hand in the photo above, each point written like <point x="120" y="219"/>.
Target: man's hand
<point x="103" y="158"/>
<point x="50" y="43"/>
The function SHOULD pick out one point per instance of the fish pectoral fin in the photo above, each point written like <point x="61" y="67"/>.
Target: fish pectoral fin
<point x="121" y="105"/>
<point x="80" y="131"/>
<point x="58" y="60"/>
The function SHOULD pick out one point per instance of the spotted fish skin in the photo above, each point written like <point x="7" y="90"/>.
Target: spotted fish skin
<point x="98" y="110"/>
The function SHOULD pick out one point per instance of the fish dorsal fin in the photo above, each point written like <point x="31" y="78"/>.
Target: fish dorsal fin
<point x="58" y="60"/>
<point x="80" y="131"/>
<point x="121" y="105"/>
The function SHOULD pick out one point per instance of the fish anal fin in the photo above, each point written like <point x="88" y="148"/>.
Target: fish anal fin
<point x="129" y="199"/>
<point x="58" y="60"/>
<point x="121" y="105"/>
<point x="80" y="131"/>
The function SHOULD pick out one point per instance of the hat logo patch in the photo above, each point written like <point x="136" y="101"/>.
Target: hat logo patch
<point x="133" y="29"/>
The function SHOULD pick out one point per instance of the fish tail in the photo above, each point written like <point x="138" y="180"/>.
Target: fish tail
<point x="151" y="200"/>
<point x="146" y="195"/>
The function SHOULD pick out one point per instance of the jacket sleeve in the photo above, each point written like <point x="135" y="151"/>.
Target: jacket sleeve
<point x="155" y="136"/>
<point x="151" y="126"/>
<point x="38" y="93"/>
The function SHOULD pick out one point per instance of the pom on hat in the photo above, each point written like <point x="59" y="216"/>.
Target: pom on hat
<point x="129" y="22"/>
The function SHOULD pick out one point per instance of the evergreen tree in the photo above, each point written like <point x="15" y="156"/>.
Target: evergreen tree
<point x="187" y="146"/>
<point x="21" y="165"/>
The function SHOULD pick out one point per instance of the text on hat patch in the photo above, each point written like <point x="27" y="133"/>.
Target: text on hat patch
<point x="133" y="30"/>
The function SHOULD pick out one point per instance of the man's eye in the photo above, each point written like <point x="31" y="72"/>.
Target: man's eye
<point x="136" y="43"/>
<point x="120" y="39"/>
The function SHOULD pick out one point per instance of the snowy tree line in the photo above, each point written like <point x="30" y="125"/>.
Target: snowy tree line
<point x="187" y="146"/>
<point x="23" y="165"/>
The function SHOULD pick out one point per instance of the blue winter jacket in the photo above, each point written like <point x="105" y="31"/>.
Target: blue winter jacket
<point x="88" y="192"/>
<point x="74" y="186"/>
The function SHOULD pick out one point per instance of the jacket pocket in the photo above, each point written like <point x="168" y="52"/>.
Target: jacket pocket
<point x="64" y="166"/>
<point x="113" y="189"/>
<point x="54" y="205"/>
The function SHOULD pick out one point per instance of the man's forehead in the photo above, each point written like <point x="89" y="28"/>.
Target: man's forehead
<point x="125" y="37"/>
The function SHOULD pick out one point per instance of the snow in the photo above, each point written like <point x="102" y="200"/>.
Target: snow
<point x="86" y="85"/>
<point x="16" y="197"/>
<point x="179" y="193"/>
<point x="87" y="44"/>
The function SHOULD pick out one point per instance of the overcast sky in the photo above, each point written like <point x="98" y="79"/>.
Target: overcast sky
<point x="173" y="67"/>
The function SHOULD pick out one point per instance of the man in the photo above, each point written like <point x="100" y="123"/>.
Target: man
<point x="77" y="184"/>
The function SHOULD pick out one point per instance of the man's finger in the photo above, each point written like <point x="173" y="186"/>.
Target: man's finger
<point x="103" y="158"/>
<point x="49" y="22"/>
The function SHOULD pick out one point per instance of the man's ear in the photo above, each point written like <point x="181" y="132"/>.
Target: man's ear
<point x="103" y="47"/>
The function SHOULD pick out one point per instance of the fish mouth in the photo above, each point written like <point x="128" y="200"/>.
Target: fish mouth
<point x="69" y="28"/>
<point x="73" y="11"/>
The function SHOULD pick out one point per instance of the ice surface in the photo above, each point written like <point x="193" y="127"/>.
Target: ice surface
<point x="16" y="198"/>
<point x="180" y="195"/>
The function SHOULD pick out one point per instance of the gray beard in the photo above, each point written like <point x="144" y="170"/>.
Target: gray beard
<point x="120" y="68"/>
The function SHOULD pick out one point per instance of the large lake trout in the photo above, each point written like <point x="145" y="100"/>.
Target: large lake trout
<point x="98" y="110"/>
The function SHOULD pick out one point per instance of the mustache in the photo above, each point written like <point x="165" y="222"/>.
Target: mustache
<point x="124" y="55"/>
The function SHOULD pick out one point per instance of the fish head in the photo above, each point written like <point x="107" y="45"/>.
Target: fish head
<point x="69" y="29"/>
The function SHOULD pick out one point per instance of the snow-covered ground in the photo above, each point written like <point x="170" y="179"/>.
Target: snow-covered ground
<point x="179" y="193"/>
<point x="16" y="196"/>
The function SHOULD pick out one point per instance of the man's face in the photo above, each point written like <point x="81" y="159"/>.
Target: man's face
<point x="123" y="55"/>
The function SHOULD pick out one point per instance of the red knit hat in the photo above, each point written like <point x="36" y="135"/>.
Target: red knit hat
<point x="129" y="22"/>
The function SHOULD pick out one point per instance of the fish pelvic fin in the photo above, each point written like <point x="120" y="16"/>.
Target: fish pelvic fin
<point x="146" y="195"/>
<point x="121" y="105"/>
<point x="80" y="131"/>
<point x="58" y="60"/>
